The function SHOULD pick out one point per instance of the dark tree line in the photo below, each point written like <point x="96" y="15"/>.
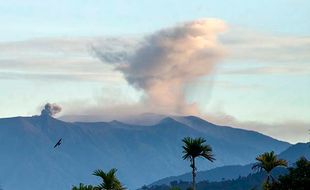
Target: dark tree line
<point x="297" y="177"/>
<point x="293" y="178"/>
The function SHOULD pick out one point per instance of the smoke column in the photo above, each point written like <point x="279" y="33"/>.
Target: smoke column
<point x="169" y="59"/>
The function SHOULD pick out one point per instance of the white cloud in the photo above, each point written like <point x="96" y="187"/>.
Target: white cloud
<point x="245" y="44"/>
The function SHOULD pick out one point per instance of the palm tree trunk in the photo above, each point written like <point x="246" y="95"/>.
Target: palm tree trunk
<point x="194" y="174"/>
<point x="267" y="181"/>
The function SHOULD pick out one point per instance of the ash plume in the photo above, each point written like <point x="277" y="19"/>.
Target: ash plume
<point x="50" y="109"/>
<point x="169" y="59"/>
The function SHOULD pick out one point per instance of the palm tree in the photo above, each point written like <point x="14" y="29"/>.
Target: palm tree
<point x="195" y="147"/>
<point x="267" y="162"/>
<point x="83" y="187"/>
<point x="109" y="180"/>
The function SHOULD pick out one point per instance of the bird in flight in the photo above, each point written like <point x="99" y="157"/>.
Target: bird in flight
<point x="58" y="143"/>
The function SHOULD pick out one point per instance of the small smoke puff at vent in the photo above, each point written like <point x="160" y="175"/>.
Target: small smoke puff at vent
<point x="50" y="109"/>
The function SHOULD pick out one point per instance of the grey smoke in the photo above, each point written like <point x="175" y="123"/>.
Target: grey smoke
<point x="167" y="60"/>
<point x="50" y="109"/>
<point x="110" y="56"/>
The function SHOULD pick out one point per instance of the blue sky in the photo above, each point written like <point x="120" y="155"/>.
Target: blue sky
<point x="33" y="18"/>
<point x="45" y="57"/>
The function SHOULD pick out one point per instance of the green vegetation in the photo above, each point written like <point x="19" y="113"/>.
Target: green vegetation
<point x="194" y="148"/>
<point x="298" y="177"/>
<point x="251" y="182"/>
<point x="109" y="182"/>
<point x="83" y="187"/>
<point x="293" y="178"/>
<point x="267" y="162"/>
<point x="175" y="188"/>
<point x="267" y="165"/>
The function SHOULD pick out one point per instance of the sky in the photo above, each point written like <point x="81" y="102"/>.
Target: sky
<point x="233" y="62"/>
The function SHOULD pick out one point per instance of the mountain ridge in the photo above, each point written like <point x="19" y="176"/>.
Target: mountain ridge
<point x="26" y="145"/>
<point x="291" y="154"/>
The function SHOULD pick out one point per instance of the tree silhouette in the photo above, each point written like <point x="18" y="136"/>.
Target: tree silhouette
<point x="109" y="180"/>
<point x="298" y="177"/>
<point x="193" y="148"/>
<point x="267" y="162"/>
<point x="83" y="187"/>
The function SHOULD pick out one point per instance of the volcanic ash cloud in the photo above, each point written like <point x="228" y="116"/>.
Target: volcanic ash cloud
<point x="169" y="59"/>
<point x="50" y="109"/>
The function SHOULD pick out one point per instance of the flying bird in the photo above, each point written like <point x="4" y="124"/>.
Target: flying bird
<point x="58" y="143"/>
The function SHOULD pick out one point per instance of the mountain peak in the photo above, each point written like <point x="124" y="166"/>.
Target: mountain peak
<point x="46" y="118"/>
<point x="196" y="119"/>
<point x="167" y="120"/>
<point x="127" y="147"/>
<point x="116" y="122"/>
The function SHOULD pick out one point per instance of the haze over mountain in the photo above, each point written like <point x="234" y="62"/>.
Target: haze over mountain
<point x="141" y="153"/>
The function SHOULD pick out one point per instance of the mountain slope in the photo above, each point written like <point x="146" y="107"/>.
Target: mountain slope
<point x="216" y="174"/>
<point x="251" y="181"/>
<point x="142" y="154"/>
<point x="296" y="151"/>
<point x="292" y="154"/>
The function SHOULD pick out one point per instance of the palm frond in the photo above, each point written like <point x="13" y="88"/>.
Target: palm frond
<point x="109" y="180"/>
<point x="99" y="173"/>
<point x="196" y="147"/>
<point x="268" y="161"/>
